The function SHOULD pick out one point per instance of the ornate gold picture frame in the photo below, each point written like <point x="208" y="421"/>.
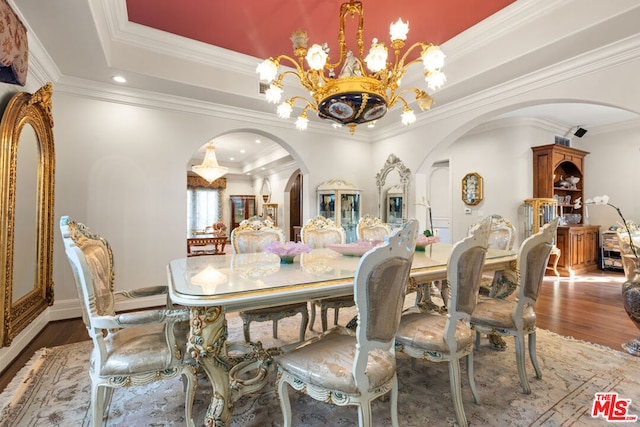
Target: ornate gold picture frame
<point x="27" y="163"/>
<point x="472" y="189"/>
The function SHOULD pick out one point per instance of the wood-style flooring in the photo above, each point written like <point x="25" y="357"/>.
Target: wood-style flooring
<point x="588" y="307"/>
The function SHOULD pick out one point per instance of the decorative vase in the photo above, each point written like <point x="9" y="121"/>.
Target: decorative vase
<point x="286" y="259"/>
<point x="631" y="302"/>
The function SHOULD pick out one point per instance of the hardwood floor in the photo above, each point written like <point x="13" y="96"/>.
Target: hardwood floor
<point x="588" y="307"/>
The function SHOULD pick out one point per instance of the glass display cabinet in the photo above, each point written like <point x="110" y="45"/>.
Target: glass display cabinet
<point x="538" y="212"/>
<point x="394" y="206"/>
<point x="242" y="207"/>
<point x="340" y="201"/>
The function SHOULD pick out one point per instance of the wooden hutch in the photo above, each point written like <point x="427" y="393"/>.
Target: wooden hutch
<point x="578" y="243"/>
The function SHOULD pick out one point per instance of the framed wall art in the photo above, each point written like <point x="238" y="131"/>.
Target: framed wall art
<point x="472" y="189"/>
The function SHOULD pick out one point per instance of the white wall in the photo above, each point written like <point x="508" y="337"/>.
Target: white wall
<point x="121" y="171"/>
<point x="612" y="169"/>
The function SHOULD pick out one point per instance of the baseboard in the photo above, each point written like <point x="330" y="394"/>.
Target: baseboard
<point x="8" y="354"/>
<point x="70" y="309"/>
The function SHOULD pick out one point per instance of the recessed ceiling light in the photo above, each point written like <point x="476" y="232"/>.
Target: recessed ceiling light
<point x="263" y="168"/>
<point x="243" y="151"/>
<point x="232" y="158"/>
<point x="119" y="79"/>
<point x="258" y="141"/>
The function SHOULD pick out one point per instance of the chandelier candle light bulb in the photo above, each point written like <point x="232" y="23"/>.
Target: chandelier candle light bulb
<point x="358" y="94"/>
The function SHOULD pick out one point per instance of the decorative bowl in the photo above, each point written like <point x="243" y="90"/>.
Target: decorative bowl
<point x="358" y="248"/>
<point x="573" y="180"/>
<point x="423" y="241"/>
<point x="572" y="218"/>
<point x="287" y="251"/>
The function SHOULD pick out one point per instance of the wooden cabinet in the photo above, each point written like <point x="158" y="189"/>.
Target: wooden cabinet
<point x="553" y="165"/>
<point x="578" y="249"/>
<point x="242" y="207"/>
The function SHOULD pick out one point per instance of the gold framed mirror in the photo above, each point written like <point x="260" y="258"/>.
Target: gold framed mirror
<point x="472" y="189"/>
<point x="27" y="163"/>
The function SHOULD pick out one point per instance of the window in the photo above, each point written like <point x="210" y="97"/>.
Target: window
<point x="204" y="207"/>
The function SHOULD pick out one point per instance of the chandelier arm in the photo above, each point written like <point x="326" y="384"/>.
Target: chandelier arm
<point x="402" y="64"/>
<point x="301" y="76"/>
<point x="352" y="8"/>
<point x="290" y="59"/>
<point x="313" y="105"/>
<point x="397" y="98"/>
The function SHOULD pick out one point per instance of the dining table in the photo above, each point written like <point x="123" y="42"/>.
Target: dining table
<point x="211" y="286"/>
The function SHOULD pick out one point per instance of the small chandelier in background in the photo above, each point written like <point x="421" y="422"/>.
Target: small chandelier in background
<point x="357" y="95"/>
<point x="210" y="169"/>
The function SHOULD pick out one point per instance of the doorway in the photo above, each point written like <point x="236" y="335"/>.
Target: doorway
<point x="294" y="188"/>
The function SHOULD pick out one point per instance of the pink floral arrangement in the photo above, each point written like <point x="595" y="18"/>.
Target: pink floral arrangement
<point x="288" y="249"/>
<point x="423" y="240"/>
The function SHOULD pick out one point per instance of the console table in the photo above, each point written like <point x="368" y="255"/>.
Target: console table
<point x="206" y="245"/>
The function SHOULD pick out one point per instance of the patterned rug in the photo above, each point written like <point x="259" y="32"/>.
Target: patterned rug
<point x="54" y="389"/>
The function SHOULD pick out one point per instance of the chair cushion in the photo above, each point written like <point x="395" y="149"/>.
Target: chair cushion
<point x="425" y="330"/>
<point x="136" y="350"/>
<point x="498" y="313"/>
<point x="327" y="361"/>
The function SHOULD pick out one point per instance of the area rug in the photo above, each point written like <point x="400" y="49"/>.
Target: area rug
<point x="54" y="390"/>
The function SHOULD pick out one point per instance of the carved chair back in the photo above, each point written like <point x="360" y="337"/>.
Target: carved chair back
<point x="502" y="234"/>
<point x="320" y="231"/>
<point x="372" y="228"/>
<point x="253" y="234"/>
<point x="379" y="290"/>
<point x="464" y="272"/>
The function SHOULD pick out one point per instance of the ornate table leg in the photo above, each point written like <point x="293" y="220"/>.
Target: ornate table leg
<point x="207" y="338"/>
<point x="230" y="376"/>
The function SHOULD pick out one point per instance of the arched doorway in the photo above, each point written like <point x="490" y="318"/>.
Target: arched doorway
<point x="294" y="190"/>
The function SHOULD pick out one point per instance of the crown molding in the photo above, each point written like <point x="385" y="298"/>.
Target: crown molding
<point x="117" y="29"/>
<point x="604" y="58"/>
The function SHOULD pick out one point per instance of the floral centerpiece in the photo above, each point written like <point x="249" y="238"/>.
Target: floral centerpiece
<point x="287" y="251"/>
<point x="425" y="239"/>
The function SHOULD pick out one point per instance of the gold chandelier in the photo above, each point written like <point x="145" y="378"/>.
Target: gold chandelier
<point x="358" y="94"/>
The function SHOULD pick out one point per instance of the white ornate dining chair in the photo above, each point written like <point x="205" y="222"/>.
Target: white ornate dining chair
<point x="518" y="318"/>
<point x="372" y="228"/>
<point x="500" y="284"/>
<point x="318" y="233"/>
<point x="344" y="367"/>
<point x="501" y="236"/>
<point x="129" y="349"/>
<point x="251" y="236"/>
<point x="435" y="337"/>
